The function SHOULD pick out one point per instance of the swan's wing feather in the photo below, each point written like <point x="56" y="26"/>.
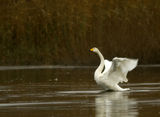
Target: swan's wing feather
<point x="107" y="65"/>
<point x="124" y="64"/>
<point x="120" y="68"/>
<point x="128" y="64"/>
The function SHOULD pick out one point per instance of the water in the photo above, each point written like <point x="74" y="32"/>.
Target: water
<point x="48" y="91"/>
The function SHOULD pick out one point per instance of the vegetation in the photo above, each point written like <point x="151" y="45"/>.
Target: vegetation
<point x="63" y="31"/>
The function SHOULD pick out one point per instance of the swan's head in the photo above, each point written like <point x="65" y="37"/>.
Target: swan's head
<point x="94" y="49"/>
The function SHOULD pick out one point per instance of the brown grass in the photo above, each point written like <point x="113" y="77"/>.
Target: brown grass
<point x="62" y="31"/>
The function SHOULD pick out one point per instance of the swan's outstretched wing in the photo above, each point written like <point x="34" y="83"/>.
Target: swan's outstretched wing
<point x="120" y="68"/>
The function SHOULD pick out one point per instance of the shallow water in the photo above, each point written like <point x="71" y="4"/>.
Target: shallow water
<point x="65" y="92"/>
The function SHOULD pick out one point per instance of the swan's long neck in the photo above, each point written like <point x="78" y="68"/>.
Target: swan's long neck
<point x="101" y="66"/>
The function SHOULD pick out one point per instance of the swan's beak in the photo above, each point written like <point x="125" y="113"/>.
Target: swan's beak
<point x="91" y="49"/>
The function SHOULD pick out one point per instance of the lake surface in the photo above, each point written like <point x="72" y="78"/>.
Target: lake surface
<point x="48" y="91"/>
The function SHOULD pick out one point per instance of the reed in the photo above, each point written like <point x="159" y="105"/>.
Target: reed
<point x="63" y="31"/>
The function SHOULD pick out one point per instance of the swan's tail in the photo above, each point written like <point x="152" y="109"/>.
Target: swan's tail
<point x="118" y="88"/>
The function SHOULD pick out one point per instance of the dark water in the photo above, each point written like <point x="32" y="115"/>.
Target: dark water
<point x="48" y="91"/>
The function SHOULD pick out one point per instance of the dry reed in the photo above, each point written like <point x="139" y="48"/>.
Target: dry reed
<point x="62" y="31"/>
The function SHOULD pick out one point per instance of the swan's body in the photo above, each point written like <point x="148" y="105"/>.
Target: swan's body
<point x="110" y="73"/>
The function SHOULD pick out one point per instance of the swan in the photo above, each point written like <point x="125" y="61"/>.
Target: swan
<point x="110" y="73"/>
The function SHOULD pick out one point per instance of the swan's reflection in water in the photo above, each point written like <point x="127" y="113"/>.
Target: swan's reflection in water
<point x="115" y="104"/>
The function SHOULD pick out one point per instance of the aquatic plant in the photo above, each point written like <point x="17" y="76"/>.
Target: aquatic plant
<point x="63" y="31"/>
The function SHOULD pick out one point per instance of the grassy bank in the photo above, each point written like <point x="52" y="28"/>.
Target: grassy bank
<point x="62" y="31"/>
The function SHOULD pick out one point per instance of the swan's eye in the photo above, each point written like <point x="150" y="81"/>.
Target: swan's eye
<point x="91" y="49"/>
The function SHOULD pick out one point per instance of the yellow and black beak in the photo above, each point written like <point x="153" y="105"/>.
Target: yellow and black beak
<point x="91" y="49"/>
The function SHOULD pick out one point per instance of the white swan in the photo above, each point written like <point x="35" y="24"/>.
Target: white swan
<point x="110" y="73"/>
